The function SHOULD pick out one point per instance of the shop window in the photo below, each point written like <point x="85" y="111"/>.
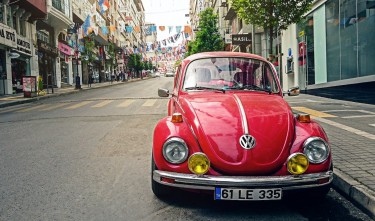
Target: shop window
<point x="2" y="13"/>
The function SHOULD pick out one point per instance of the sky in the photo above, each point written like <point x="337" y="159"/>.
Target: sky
<point x="166" y="13"/>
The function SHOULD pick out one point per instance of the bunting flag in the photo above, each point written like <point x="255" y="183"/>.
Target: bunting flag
<point x="178" y="29"/>
<point x="162" y="28"/>
<point x="187" y="29"/>
<point x="86" y="24"/>
<point x="112" y="28"/>
<point x="104" y="30"/>
<point x="137" y="29"/>
<point x="170" y="28"/>
<point x="129" y="29"/>
<point x="95" y="30"/>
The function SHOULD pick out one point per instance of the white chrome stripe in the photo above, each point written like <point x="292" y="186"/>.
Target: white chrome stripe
<point x="208" y="182"/>
<point x="243" y="115"/>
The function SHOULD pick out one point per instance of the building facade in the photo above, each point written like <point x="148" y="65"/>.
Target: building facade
<point x="333" y="46"/>
<point x="18" y="43"/>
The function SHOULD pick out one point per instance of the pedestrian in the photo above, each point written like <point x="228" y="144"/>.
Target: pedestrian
<point x="90" y="80"/>
<point x="112" y="77"/>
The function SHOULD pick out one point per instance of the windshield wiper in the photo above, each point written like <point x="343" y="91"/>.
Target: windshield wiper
<point x="255" y="88"/>
<point x="204" y="88"/>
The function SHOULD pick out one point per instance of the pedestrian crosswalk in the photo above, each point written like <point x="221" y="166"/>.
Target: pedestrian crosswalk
<point x="91" y="104"/>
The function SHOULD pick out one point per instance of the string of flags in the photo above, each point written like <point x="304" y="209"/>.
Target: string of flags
<point x="95" y="23"/>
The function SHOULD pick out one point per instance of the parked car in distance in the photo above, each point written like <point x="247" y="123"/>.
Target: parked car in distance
<point x="169" y="74"/>
<point x="230" y="133"/>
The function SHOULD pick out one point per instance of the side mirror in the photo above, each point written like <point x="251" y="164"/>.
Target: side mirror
<point x="163" y="92"/>
<point x="293" y="91"/>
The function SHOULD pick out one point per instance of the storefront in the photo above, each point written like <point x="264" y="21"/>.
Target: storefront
<point x="20" y="65"/>
<point x="333" y="46"/>
<point x="47" y="55"/>
<point x="65" y="52"/>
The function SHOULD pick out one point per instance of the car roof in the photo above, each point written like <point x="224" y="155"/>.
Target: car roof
<point x="223" y="54"/>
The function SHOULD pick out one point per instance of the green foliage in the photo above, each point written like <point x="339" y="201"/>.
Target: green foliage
<point x="208" y="37"/>
<point x="111" y="59"/>
<point x="177" y="63"/>
<point x="135" y="63"/>
<point x="271" y="14"/>
<point x="89" y="46"/>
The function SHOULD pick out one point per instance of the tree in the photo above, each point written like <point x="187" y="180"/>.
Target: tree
<point x="135" y="63"/>
<point x="87" y="55"/>
<point x="272" y="15"/>
<point x="208" y="37"/>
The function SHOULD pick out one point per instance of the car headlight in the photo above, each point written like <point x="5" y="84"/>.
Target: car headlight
<point x="175" y="150"/>
<point x="316" y="149"/>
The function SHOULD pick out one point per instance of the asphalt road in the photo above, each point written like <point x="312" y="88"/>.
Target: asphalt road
<point x="86" y="156"/>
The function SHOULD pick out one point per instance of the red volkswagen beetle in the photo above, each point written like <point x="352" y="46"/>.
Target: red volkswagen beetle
<point x="229" y="132"/>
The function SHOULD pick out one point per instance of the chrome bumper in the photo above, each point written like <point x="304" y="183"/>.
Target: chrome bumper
<point x="207" y="182"/>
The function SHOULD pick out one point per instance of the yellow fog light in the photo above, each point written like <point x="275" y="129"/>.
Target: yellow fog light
<point x="297" y="163"/>
<point x="199" y="163"/>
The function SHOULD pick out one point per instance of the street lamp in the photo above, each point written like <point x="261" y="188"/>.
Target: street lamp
<point x="73" y="30"/>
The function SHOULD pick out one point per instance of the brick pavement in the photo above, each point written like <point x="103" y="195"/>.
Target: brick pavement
<point x="353" y="157"/>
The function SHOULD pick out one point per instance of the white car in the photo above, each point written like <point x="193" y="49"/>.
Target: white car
<point x="169" y="74"/>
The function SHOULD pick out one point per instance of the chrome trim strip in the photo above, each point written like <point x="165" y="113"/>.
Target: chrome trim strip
<point x="243" y="115"/>
<point x="207" y="182"/>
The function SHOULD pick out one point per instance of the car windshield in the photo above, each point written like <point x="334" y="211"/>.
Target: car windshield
<point x="230" y="73"/>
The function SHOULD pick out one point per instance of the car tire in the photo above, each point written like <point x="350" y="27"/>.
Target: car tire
<point x="160" y="191"/>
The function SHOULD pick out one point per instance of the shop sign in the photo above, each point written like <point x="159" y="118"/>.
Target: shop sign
<point x="65" y="49"/>
<point x="241" y="39"/>
<point x="228" y="38"/>
<point x="29" y="86"/>
<point x="23" y="45"/>
<point x="43" y="46"/>
<point x="8" y="36"/>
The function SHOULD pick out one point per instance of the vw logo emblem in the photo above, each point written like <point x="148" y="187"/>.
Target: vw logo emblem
<point x="247" y="141"/>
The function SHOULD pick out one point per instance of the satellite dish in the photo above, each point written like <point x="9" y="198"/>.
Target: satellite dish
<point x="13" y="55"/>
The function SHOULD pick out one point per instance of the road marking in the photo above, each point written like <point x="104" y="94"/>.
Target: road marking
<point x="348" y="110"/>
<point x="102" y="104"/>
<point x="358" y="116"/>
<point x="126" y="103"/>
<point x="53" y="107"/>
<point x="149" y="103"/>
<point x="31" y="108"/>
<point x="78" y="105"/>
<point x="347" y="128"/>
<point x="313" y="112"/>
<point x="11" y="109"/>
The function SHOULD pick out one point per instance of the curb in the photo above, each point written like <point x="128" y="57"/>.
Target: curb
<point x="356" y="191"/>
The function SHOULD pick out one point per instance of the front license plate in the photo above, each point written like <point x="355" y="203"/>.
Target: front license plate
<point x="247" y="194"/>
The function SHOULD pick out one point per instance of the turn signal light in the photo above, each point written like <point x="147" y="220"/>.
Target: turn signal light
<point x="177" y="118"/>
<point x="304" y="118"/>
<point x="297" y="163"/>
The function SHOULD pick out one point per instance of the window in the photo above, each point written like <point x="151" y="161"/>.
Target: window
<point x="2" y="13"/>
<point x="9" y="16"/>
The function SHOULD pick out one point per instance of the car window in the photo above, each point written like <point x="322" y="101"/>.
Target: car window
<point x="230" y="74"/>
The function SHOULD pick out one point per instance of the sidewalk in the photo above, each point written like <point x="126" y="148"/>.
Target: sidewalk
<point x="15" y="99"/>
<point x="353" y="153"/>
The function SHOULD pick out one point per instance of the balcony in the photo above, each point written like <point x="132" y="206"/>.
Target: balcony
<point x="59" y="14"/>
<point x="61" y="6"/>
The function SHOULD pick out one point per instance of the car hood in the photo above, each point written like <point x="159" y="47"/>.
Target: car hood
<point x="219" y="120"/>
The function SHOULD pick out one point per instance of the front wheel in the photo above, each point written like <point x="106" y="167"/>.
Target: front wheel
<point x="160" y="191"/>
